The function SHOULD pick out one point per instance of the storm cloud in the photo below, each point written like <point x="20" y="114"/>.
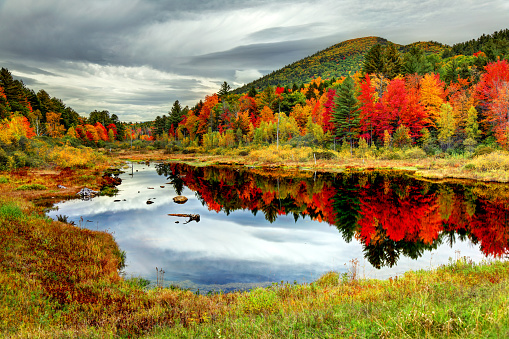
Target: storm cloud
<point x="135" y="58"/>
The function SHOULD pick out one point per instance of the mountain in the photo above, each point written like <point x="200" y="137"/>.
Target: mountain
<point x="336" y="61"/>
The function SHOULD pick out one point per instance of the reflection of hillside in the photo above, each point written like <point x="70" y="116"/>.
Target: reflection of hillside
<point x="389" y="215"/>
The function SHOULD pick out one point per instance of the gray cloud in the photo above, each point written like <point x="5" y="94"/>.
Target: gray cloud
<point x="134" y="58"/>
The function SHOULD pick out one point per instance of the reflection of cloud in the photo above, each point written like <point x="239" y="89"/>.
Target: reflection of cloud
<point x="220" y="249"/>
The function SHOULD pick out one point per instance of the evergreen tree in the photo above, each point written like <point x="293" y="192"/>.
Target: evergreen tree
<point x="345" y="116"/>
<point x="252" y="92"/>
<point x="415" y="62"/>
<point x="224" y="90"/>
<point x="392" y="63"/>
<point x="383" y="61"/>
<point x="373" y="61"/>
<point x="175" y="114"/>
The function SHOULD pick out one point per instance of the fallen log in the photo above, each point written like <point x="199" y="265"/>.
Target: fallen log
<point x="195" y="217"/>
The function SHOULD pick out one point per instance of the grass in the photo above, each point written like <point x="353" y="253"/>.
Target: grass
<point x="31" y="187"/>
<point x="60" y="281"/>
<point x="493" y="166"/>
<point x="458" y="300"/>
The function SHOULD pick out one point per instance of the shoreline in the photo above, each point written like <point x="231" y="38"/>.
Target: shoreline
<point x="63" y="281"/>
<point x="436" y="169"/>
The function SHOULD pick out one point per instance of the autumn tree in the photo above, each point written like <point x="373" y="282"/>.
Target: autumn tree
<point x="206" y="114"/>
<point x="15" y="128"/>
<point x="492" y="94"/>
<point x="53" y="126"/>
<point x="432" y="96"/>
<point x="446" y="126"/>
<point x="471" y="129"/>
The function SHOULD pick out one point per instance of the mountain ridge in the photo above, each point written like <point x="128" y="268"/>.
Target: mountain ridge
<point x="338" y="60"/>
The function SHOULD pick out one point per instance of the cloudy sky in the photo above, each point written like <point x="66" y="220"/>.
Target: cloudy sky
<point x="134" y="58"/>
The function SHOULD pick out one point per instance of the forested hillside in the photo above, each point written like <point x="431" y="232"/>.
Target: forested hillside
<point x="334" y="62"/>
<point x="491" y="44"/>
<point x="360" y="93"/>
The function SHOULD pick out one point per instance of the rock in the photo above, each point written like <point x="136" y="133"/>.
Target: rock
<point x="149" y="202"/>
<point x="87" y="193"/>
<point x="161" y="186"/>
<point x="61" y="187"/>
<point x="180" y="199"/>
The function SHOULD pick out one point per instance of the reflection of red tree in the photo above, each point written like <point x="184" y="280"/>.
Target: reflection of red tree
<point x="493" y="236"/>
<point x="411" y="218"/>
<point x="389" y="210"/>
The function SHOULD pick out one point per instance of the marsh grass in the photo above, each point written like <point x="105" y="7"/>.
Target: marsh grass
<point x="61" y="281"/>
<point x="31" y="187"/>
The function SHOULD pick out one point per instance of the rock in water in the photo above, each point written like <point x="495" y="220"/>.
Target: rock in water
<point x="180" y="199"/>
<point x="87" y="193"/>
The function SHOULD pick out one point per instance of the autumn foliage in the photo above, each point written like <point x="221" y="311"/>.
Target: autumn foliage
<point x="389" y="215"/>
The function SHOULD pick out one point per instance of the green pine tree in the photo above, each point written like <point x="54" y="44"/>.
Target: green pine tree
<point x="373" y="61"/>
<point x="345" y="116"/>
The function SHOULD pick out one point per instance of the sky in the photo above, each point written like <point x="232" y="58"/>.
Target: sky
<point x="134" y="58"/>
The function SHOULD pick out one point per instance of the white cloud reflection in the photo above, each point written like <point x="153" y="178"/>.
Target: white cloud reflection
<point x="220" y="249"/>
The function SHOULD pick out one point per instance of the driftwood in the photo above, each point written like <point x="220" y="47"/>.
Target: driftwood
<point x="195" y="217"/>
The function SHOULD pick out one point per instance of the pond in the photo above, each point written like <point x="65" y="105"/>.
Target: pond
<point x="259" y="226"/>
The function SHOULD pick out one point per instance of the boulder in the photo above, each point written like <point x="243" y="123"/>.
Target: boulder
<point x="87" y="193"/>
<point x="180" y="199"/>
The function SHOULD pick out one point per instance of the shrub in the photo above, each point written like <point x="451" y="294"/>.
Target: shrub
<point x="415" y="153"/>
<point x="483" y="150"/>
<point x="401" y="137"/>
<point x="4" y="180"/>
<point x="327" y="155"/>
<point x="4" y="159"/>
<point x="497" y="160"/>
<point x="31" y="187"/>
<point x="171" y="148"/>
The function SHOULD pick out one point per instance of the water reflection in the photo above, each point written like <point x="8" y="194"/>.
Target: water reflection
<point x="391" y="215"/>
<point x="258" y="226"/>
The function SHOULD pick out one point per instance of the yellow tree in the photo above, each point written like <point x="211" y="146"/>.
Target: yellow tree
<point x="71" y="132"/>
<point x="446" y="125"/>
<point x="432" y="95"/>
<point x="266" y="114"/>
<point x="53" y="126"/>
<point x="11" y="130"/>
<point x="301" y="115"/>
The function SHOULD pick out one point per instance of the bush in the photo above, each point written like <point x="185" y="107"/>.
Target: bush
<point x="497" y="160"/>
<point x="483" y="150"/>
<point x="4" y="159"/>
<point x="327" y="155"/>
<point x="415" y="153"/>
<point x="31" y="187"/>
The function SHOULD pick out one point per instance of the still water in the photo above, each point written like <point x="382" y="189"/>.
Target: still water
<point x="259" y="226"/>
